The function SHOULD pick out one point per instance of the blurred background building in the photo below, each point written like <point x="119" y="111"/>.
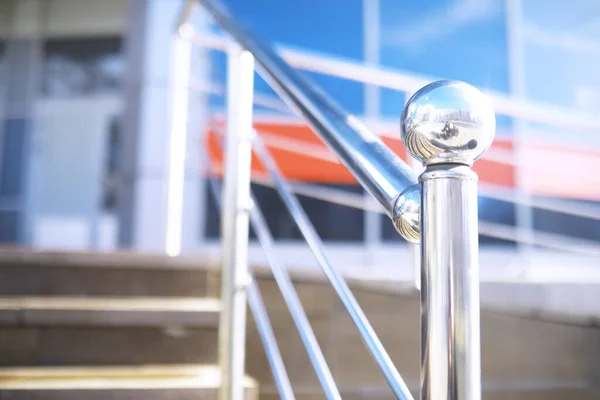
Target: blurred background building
<point x="86" y="87"/>
<point x="90" y="95"/>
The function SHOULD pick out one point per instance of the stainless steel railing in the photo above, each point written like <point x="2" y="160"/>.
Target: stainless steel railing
<point x="377" y="168"/>
<point x="446" y="125"/>
<point x="290" y="296"/>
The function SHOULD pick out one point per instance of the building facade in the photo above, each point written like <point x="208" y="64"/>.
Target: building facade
<point x="86" y="89"/>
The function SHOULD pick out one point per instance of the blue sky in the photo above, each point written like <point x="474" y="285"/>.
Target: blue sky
<point x="451" y="39"/>
<point x="470" y="48"/>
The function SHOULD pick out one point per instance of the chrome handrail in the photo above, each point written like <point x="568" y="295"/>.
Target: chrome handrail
<point x="546" y="114"/>
<point x="379" y="170"/>
<point x="291" y="298"/>
<point x="338" y="283"/>
<point x="259" y="312"/>
<point x="447" y="126"/>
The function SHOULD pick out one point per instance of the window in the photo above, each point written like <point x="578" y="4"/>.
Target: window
<point x="80" y="67"/>
<point x="332" y="222"/>
<point x="9" y="226"/>
<point x="13" y="147"/>
<point x="567" y="225"/>
<point x="113" y="155"/>
<point x="2" y="68"/>
<point x="12" y="171"/>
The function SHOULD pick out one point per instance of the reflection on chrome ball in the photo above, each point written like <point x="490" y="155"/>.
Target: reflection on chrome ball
<point x="448" y="122"/>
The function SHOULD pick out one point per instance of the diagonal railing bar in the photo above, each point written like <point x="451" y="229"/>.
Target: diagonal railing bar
<point x="495" y="230"/>
<point x="337" y="281"/>
<point x="548" y="204"/>
<point x="401" y="81"/>
<point x="446" y="125"/>
<point x="378" y="169"/>
<point x="488" y="229"/>
<point x="289" y="294"/>
<point x="541" y="239"/>
<point x="495" y="155"/>
<point x="490" y="191"/>
<point x="259" y="312"/>
<point x="267" y="336"/>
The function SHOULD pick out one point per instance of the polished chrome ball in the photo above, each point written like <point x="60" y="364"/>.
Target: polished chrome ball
<point x="448" y="122"/>
<point x="406" y="214"/>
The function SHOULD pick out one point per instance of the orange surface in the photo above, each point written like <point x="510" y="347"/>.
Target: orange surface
<point x="550" y="170"/>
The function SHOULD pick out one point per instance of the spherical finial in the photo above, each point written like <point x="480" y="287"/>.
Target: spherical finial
<point x="406" y="214"/>
<point x="448" y="122"/>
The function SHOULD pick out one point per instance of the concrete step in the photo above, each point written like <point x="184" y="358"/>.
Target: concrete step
<point x="26" y="272"/>
<point x="512" y="394"/>
<point x="521" y="357"/>
<point x="172" y="382"/>
<point x="96" y="331"/>
<point x="109" y="311"/>
<point x="68" y="345"/>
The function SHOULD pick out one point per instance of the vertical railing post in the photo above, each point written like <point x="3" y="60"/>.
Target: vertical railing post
<point x="236" y="203"/>
<point x="448" y="125"/>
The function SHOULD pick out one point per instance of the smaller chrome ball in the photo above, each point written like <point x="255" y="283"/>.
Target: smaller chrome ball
<point x="448" y="122"/>
<point x="406" y="214"/>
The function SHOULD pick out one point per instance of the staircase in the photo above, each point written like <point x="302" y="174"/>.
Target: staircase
<point x="92" y="326"/>
<point x="123" y="326"/>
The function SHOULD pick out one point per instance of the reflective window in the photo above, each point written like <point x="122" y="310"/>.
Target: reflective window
<point x="12" y="165"/>
<point x="563" y="224"/>
<point x="333" y="27"/>
<point x="332" y="222"/>
<point x="561" y="53"/>
<point x="3" y="79"/>
<point x="79" y="67"/>
<point x="13" y="142"/>
<point x="9" y="226"/>
<point x="451" y="39"/>
<point x="2" y="67"/>
<point x="113" y="156"/>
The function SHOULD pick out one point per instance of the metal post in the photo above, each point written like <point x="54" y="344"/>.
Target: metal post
<point x="180" y="80"/>
<point x="236" y="204"/>
<point x="448" y="125"/>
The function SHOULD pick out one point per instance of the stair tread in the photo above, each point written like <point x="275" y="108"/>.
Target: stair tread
<point x="114" y="377"/>
<point x="91" y="259"/>
<point x="109" y="311"/>
<point x="67" y="303"/>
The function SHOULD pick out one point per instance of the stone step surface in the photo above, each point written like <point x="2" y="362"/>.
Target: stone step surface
<point x="32" y="273"/>
<point x="522" y="356"/>
<point x="109" y="311"/>
<point x="91" y="345"/>
<point x="107" y="330"/>
<point x="171" y="382"/>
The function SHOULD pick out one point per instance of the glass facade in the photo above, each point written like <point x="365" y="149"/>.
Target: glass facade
<point x="468" y="40"/>
<point x="35" y="141"/>
<point x="82" y="67"/>
<point x="15" y="135"/>
<point x="110" y="188"/>
<point x="332" y="222"/>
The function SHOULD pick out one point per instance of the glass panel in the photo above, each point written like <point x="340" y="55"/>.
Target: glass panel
<point x="2" y="70"/>
<point x="313" y="25"/>
<point x="113" y="154"/>
<point x="333" y="26"/>
<point x="561" y="39"/>
<point x="12" y="164"/>
<point x="9" y="226"/>
<point x="567" y="225"/>
<point x="561" y="52"/>
<point x="451" y="39"/>
<point x="76" y="67"/>
<point x="332" y="222"/>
